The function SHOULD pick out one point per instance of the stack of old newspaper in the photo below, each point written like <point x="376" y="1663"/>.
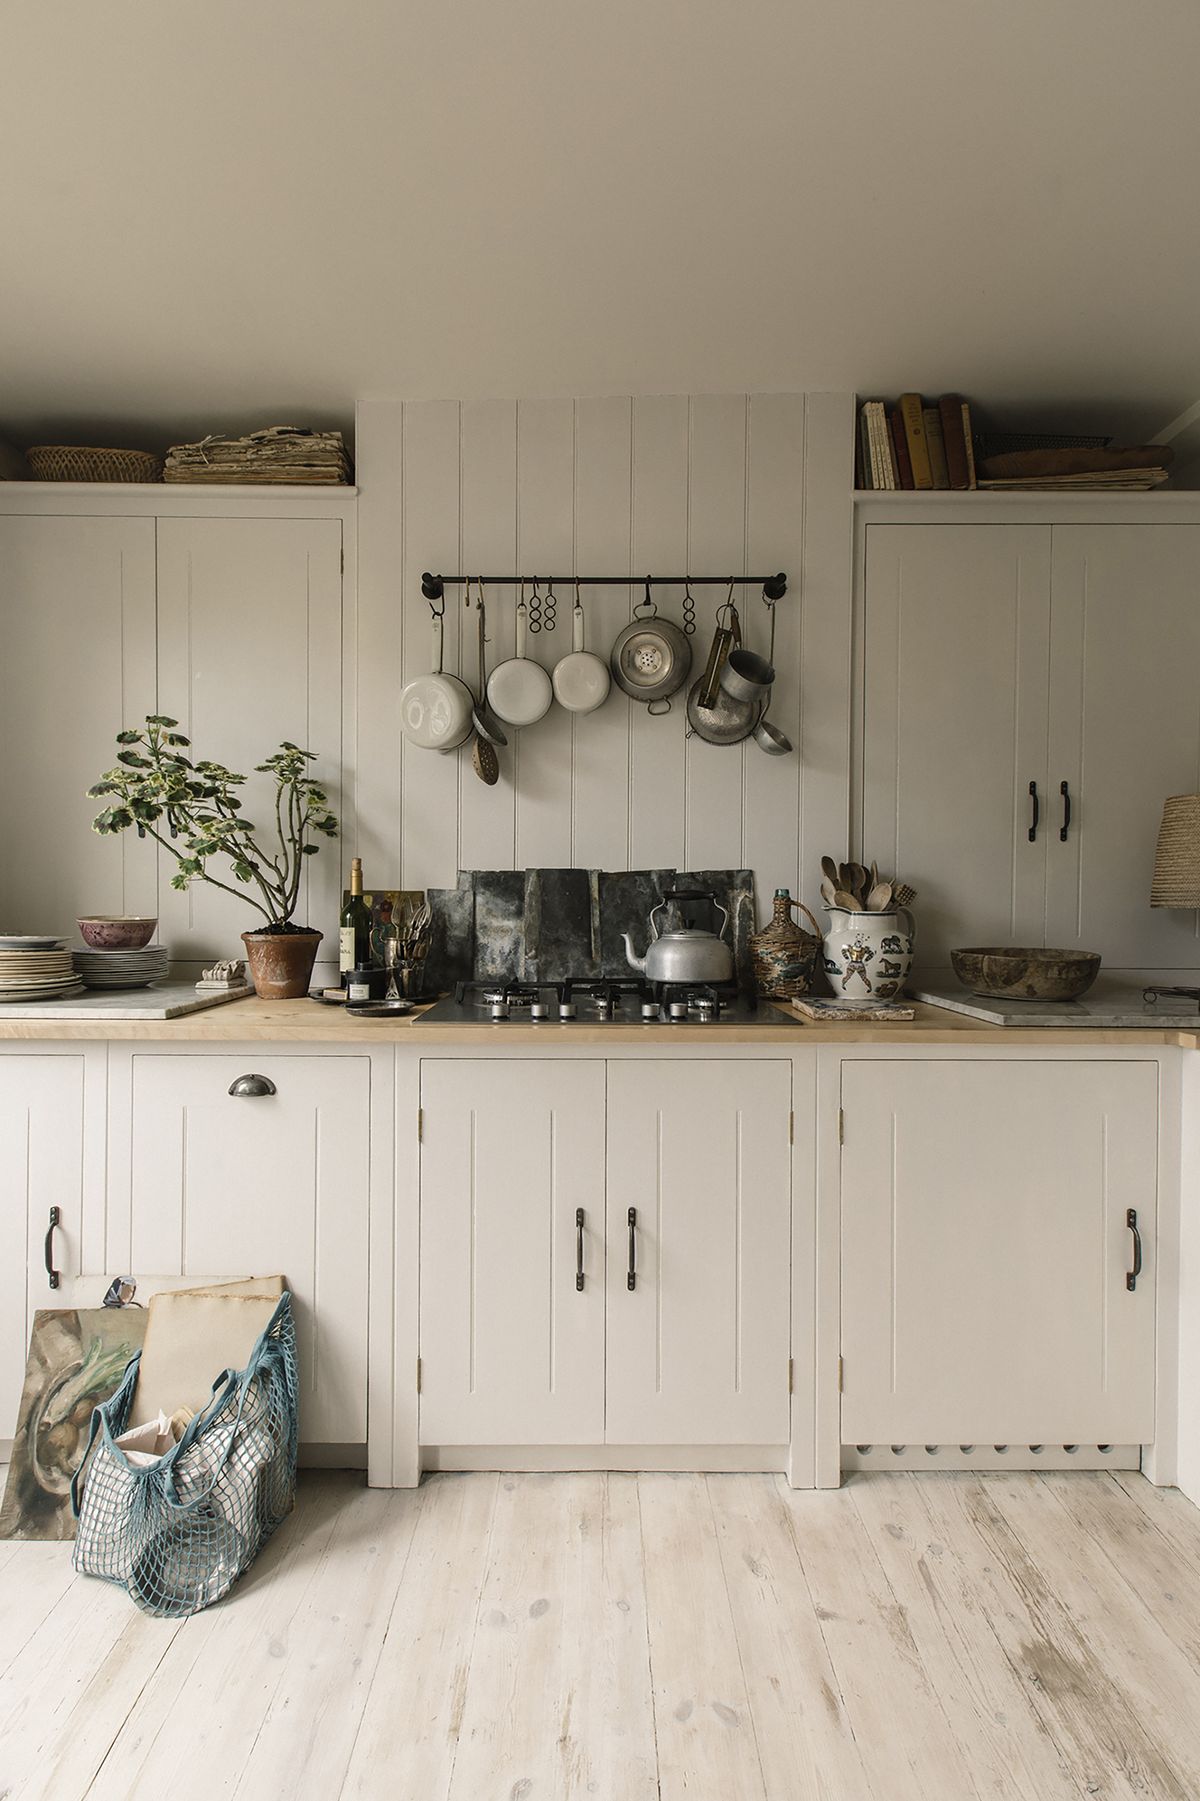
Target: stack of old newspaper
<point x="281" y="453"/>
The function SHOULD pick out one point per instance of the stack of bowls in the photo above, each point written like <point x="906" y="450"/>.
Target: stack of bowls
<point x="119" y="954"/>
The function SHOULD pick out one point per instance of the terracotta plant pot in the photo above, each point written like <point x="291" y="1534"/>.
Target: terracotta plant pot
<point x="281" y="963"/>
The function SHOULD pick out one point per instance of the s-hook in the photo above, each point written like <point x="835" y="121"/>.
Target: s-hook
<point x="535" y="607"/>
<point x="689" y="609"/>
<point x="551" y="610"/>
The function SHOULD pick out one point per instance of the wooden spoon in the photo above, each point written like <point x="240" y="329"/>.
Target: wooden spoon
<point x="849" y="903"/>
<point x="829" y="870"/>
<point x="880" y="898"/>
<point x="829" y="893"/>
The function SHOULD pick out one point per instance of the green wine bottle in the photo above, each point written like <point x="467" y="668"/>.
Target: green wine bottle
<point x="354" y="937"/>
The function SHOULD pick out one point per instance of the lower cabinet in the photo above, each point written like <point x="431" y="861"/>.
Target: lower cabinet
<point x="208" y="1182"/>
<point x="605" y="1252"/>
<point x="42" y="1166"/>
<point x="993" y="1217"/>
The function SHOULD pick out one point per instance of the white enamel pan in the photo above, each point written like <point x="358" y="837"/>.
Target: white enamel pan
<point x="519" y="691"/>
<point x="581" y="679"/>
<point x="436" y="710"/>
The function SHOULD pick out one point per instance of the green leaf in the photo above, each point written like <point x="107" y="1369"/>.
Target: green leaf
<point x="134" y="759"/>
<point x="161" y="719"/>
<point x="179" y="881"/>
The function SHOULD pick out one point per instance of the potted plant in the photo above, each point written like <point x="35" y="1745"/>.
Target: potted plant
<point x="194" y="811"/>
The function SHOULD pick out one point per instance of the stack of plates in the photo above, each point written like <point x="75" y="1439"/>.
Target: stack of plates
<point x="123" y="969"/>
<point x="35" y="969"/>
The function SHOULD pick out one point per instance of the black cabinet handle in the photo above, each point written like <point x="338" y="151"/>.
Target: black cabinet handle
<point x="52" y="1275"/>
<point x="579" y="1249"/>
<point x="252" y="1085"/>
<point x="1065" y="827"/>
<point x="1036" y="813"/>
<point x="631" y="1272"/>
<point x="1135" y="1272"/>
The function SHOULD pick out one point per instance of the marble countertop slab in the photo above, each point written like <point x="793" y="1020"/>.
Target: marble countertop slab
<point x="1108" y="1004"/>
<point x="165" y="1000"/>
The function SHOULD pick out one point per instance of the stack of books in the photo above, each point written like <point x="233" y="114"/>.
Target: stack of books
<point x="1110" y="469"/>
<point x="915" y="445"/>
<point x="281" y="453"/>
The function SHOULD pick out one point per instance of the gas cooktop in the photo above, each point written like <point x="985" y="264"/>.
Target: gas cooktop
<point x="592" y="1002"/>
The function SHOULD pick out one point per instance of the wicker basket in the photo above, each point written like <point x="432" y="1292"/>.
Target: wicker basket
<point x="76" y="463"/>
<point x="784" y="956"/>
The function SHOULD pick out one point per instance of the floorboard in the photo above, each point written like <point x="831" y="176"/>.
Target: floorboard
<point x="941" y="1637"/>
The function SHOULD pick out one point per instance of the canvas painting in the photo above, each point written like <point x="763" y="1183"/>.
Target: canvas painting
<point x="77" y="1357"/>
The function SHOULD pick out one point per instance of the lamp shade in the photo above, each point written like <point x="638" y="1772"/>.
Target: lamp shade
<point x="1176" y="880"/>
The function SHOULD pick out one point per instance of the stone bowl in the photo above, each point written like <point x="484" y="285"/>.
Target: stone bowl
<point x="117" y="931"/>
<point x="1011" y="973"/>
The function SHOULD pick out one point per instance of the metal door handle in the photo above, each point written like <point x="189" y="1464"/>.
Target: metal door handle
<point x="579" y="1248"/>
<point x="1065" y="827"/>
<point x="1135" y="1272"/>
<point x="631" y="1272"/>
<point x="252" y="1085"/>
<point x="52" y="1274"/>
<point x="1036" y="814"/>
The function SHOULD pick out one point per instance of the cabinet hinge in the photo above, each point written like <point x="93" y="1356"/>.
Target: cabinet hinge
<point x="841" y="1126"/>
<point x="791" y="1376"/>
<point x="418" y="1375"/>
<point x="420" y="1125"/>
<point x="791" y="1128"/>
<point x="841" y="1376"/>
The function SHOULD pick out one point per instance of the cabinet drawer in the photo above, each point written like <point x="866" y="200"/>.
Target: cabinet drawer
<point x="257" y="1184"/>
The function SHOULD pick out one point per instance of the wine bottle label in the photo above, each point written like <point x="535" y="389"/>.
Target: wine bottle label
<point x="346" y="957"/>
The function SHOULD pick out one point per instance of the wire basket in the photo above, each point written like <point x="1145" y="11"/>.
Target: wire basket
<point x="78" y="463"/>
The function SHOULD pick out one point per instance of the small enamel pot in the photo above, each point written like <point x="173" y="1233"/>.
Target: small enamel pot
<point x="581" y="679"/>
<point x="519" y="691"/>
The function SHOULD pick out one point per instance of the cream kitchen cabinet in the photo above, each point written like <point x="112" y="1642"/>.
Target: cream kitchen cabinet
<point x="605" y="1252"/>
<point x="51" y="1195"/>
<point x="274" y="1179"/>
<point x="1027" y="704"/>
<point x="993" y="1216"/>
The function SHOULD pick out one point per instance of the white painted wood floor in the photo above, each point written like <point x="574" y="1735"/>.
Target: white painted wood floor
<point x="911" y="1638"/>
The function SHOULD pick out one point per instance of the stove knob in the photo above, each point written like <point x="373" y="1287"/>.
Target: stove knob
<point x="603" y="1008"/>
<point x="651" y="1010"/>
<point x="499" y="1010"/>
<point x="706" y="1011"/>
<point x="678" y="1010"/>
<point x="539" y="1010"/>
<point x="566" y="1009"/>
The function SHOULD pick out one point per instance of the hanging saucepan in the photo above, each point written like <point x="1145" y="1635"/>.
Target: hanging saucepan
<point x="652" y="658"/>
<point x="519" y="691"/>
<point x="435" y="710"/>
<point x="729" y="719"/>
<point x="581" y="679"/>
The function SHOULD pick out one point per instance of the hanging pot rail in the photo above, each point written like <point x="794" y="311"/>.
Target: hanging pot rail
<point x="774" y="587"/>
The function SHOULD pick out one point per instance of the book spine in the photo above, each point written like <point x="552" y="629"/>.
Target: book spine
<point x="969" y="441"/>
<point x="937" y="449"/>
<point x="863" y="450"/>
<point x="950" y="408"/>
<point x="883" y="436"/>
<point x="873" y="439"/>
<point x="904" y="474"/>
<point x="914" y="431"/>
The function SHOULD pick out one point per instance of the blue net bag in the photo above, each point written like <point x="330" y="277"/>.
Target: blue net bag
<point x="177" y="1534"/>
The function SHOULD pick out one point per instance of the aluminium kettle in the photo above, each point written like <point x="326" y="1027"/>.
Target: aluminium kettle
<point x="688" y="955"/>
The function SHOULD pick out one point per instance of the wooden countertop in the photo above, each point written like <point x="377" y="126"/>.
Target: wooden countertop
<point x="255" y="1021"/>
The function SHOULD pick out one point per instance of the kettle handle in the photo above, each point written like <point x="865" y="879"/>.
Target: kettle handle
<point x="693" y="894"/>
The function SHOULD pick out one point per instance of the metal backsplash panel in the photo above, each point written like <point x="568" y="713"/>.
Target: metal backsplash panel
<point x="543" y="925"/>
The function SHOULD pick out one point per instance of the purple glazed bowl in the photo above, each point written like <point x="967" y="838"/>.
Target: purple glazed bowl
<point x="117" y="932"/>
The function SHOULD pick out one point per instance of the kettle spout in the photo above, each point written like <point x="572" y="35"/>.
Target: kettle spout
<point x="633" y="960"/>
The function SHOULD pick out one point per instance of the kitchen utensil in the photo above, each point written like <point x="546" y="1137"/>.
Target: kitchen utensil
<point x="767" y="735"/>
<point x="828" y="892"/>
<point x="486" y="724"/>
<point x="726" y="638"/>
<point x="581" y="679"/>
<point x="727" y="721"/>
<point x="829" y="870"/>
<point x="904" y="896"/>
<point x="519" y="691"/>
<point x="381" y="1009"/>
<point x="1011" y="972"/>
<point x="688" y="954"/>
<point x="435" y="710"/>
<point x="651" y="658"/>
<point x="849" y="903"/>
<point x="747" y="676"/>
<point x="867" y="956"/>
<point x="880" y="897"/>
<point x="20" y="942"/>
<point x="484" y="761"/>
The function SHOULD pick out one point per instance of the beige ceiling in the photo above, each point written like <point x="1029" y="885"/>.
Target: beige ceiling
<point x="221" y="212"/>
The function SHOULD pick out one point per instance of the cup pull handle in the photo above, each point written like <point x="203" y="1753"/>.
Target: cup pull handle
<point x="252" y="1085"/>
<point x="631" y="1272"/>
<point x="579" y="1249"/>
<point x="1135" y="1272"/>
<point x="1035" y="812"/>
<point x="52" y="1276"/>
<point x="1065" y="827"/>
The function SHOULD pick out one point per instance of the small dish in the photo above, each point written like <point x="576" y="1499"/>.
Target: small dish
<point x="117" y="931"/>
<point x="380" y="1009"/>
<point x="16" y="942"/>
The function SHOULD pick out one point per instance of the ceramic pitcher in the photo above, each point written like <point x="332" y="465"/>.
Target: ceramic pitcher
<point x="868" y="955"/>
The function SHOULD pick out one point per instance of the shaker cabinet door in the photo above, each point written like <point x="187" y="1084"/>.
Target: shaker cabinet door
<point x="1124" y="734"/>
<point x="698" y="1343"/>
<point x="986" y="1249"/>
<point x="512" y="1214"/>
<point x="956" y="636"/>
<point x="205" y="1182"/>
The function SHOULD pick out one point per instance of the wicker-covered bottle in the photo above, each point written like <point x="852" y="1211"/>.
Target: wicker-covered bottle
<point x="784" y="955"/>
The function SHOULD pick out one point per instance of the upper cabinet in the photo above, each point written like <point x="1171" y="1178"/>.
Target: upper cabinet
<point x="1028" y="702"/>
<point x="222" y="610"/>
